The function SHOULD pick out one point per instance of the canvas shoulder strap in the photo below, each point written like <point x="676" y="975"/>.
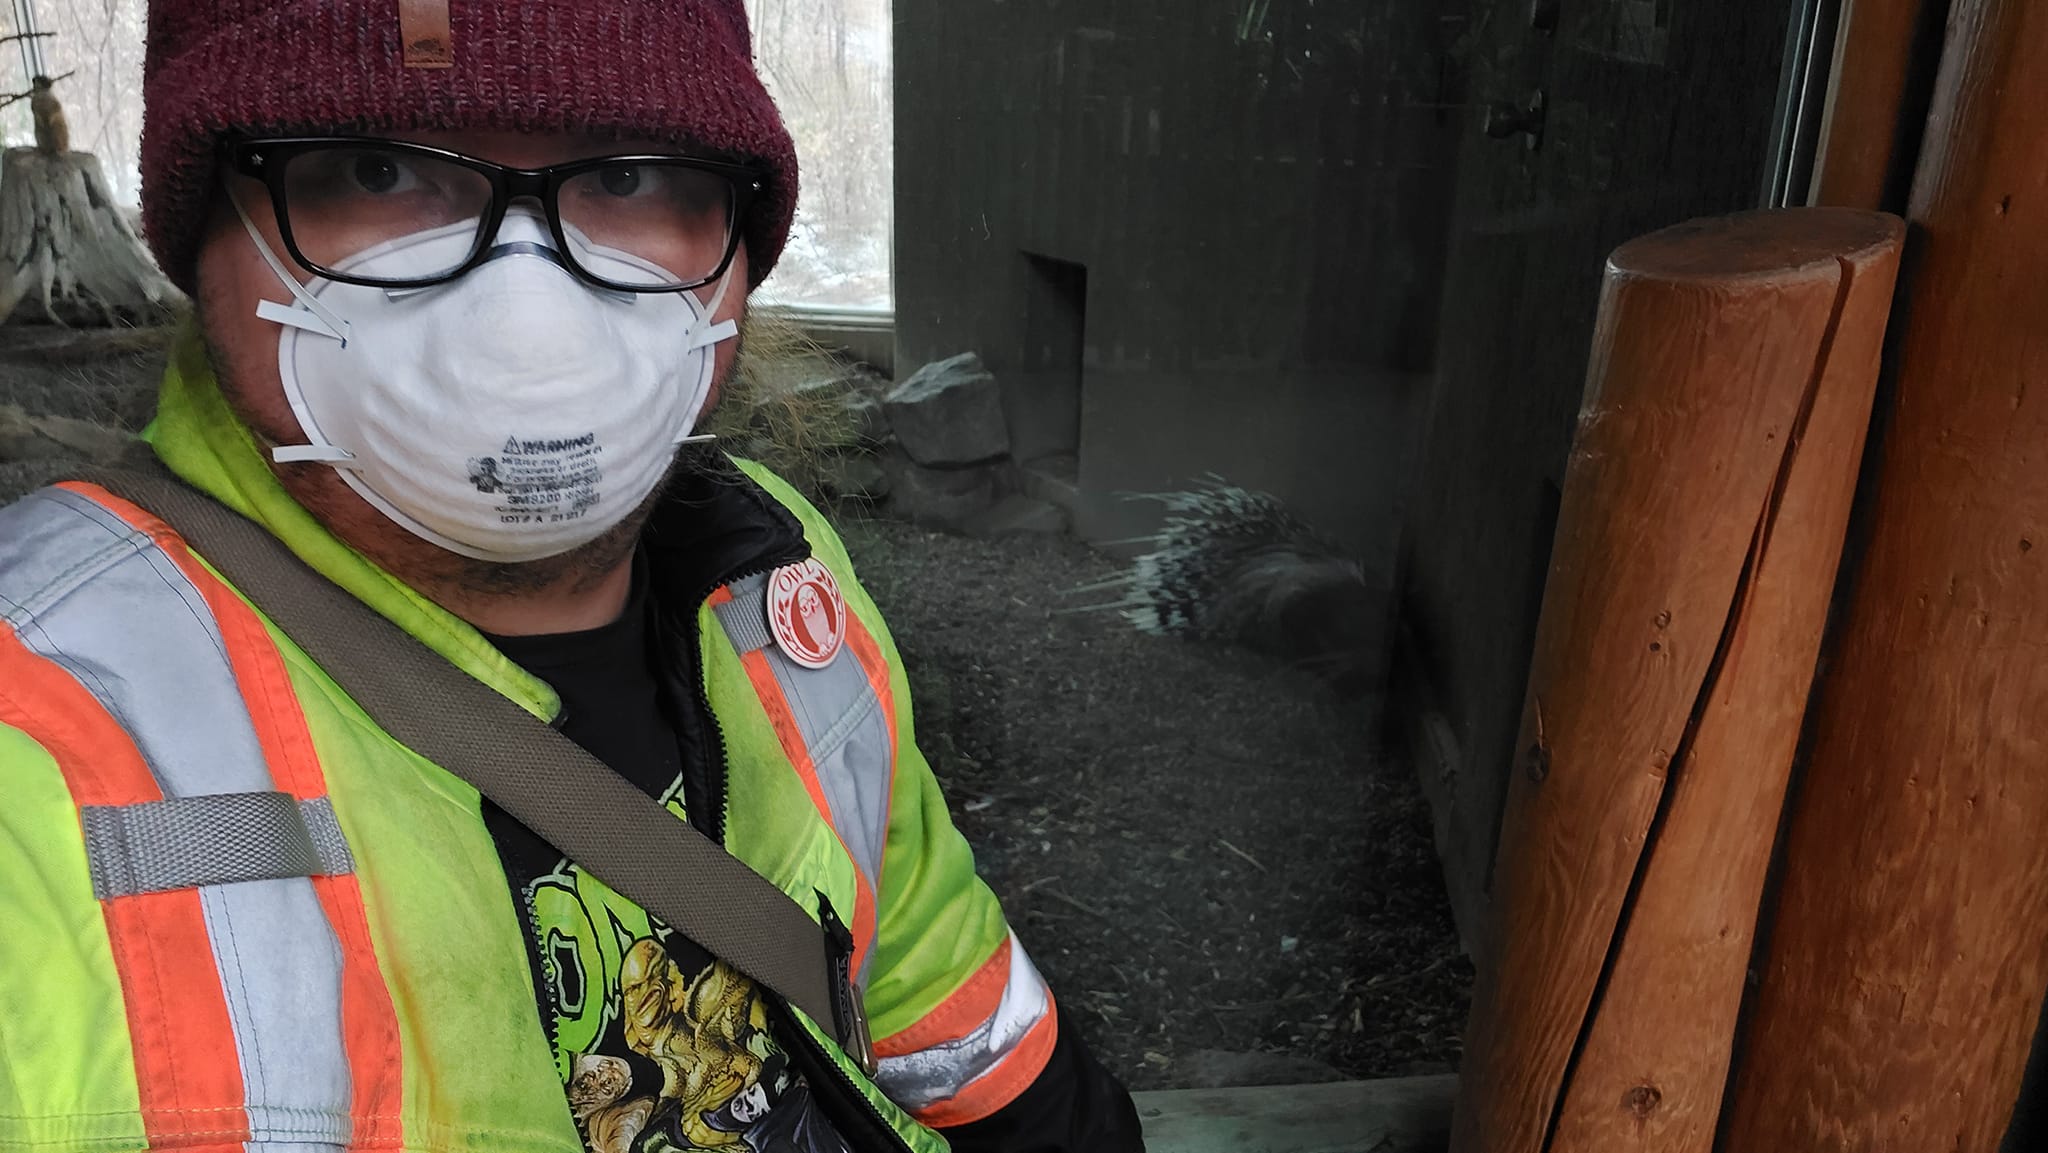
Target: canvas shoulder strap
<point x="543" y="779"/>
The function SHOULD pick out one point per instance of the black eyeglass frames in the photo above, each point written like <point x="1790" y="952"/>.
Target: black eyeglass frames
<point x="390" y="214"/>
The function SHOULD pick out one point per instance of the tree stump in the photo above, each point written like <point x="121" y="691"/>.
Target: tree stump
<point x="68" y="251"/>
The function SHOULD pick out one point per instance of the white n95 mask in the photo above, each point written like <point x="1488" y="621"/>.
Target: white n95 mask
<point x="512" y="414"/>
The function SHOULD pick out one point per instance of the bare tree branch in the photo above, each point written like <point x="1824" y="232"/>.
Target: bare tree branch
<point x="31" y="92"/>
<point x="24" y="36"/>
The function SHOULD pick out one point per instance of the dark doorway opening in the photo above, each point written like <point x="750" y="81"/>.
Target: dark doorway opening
<point x="1045" y="425"/>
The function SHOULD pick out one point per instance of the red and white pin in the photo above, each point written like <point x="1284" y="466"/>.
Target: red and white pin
<point x="806" y="614"/>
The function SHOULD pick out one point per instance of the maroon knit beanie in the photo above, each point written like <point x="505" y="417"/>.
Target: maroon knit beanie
<point x="672" y="70"/>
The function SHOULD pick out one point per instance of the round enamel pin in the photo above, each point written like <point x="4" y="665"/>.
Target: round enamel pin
<point x="806" y="614"/>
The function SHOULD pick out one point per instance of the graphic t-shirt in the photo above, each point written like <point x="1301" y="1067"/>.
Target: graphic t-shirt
<point x="661" y="1047"/>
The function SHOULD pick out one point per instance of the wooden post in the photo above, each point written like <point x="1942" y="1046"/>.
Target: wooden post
<point x="1908" y="953"/>
<point x="1876" y="102"/>
<point x="1703" y="514"/>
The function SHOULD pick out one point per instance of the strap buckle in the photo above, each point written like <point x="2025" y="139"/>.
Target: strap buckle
<point x="851" y="1016"/>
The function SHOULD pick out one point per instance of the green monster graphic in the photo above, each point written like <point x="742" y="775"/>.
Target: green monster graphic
<point x="609" y="967"/>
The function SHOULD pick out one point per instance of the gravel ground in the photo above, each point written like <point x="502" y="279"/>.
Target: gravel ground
<point x="1203" y="850"/>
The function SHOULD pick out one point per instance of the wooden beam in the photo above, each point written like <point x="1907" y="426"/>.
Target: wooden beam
<point x="1877" y="102"/>
<point x="1908" y="957"/>
<point x="1704" y="508"/>
<point x="1398" y="1115"/>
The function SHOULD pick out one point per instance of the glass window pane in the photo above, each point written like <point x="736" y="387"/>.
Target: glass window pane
<point x="828" y="64"/>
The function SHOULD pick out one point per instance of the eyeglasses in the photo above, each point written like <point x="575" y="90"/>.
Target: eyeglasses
<point x="658" y="223"/>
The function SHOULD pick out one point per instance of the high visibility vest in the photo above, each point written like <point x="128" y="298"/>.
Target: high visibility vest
<point x="235" y="911"/>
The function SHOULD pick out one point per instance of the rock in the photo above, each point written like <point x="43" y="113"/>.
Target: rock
<point x="949" y="414"/>
<point x="867" y="419"/>
<point x="852" y="402"/>
<point x="938" y="497"/>
<point x="858" y="478"/>
<point x="19" y="440"/>
<point x="96" y="443"/>
<point x="25" y="438"/>
<point x="1219" y="1069"/>
<point x="1016" y="516"/>
<point x="851" y="377"/>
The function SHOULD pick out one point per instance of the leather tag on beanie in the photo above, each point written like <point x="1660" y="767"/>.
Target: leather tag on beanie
<point x="423" y="29"/>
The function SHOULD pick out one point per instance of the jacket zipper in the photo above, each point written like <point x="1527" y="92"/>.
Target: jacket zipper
<point x="715" y="766"/>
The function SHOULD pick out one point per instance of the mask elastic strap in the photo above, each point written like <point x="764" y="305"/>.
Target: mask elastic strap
<point x="707" y="334"/>
<point x="311" y="315"/>
<point x="704" y="335"/>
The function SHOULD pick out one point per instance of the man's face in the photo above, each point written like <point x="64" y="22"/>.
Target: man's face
<point x="751" y="1105"/>
<point x="233" y="279"/>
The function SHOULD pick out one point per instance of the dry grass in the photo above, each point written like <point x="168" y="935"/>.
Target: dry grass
<point x="768" y="415"/>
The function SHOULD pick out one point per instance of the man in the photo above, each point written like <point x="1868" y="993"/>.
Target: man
<point x="466" y="274"/>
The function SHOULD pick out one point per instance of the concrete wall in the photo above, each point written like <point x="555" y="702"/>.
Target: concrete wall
<point x="1190" y="236"/>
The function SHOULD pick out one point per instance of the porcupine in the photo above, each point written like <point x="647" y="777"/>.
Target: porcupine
<point x="1233" y="566"/>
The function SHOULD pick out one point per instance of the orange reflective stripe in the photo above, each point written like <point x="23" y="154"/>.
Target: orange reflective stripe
<point x="791" y="738"/>
<point x="786" y="731"/>
<point x="187" y="1074"/>
<point x="959" y="1014"/>
<point x="1002" y="1084"/>
<point x="187" y="1070"/>
<point x="369" y="1022"/>
<point x="101" y="765"/>
<point x="863" y="917"/>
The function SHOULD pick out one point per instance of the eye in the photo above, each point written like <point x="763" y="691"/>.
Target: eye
<point x="620" y="180"/>
<point x="381" y="173"/>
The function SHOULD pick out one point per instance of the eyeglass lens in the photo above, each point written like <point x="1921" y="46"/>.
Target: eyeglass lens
<point x="344" y="200"/>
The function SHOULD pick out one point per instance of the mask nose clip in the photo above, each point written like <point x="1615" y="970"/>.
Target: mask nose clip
<point x="529" y="236"/>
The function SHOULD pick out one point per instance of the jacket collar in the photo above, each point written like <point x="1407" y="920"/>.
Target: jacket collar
<point x="715" y="525"/>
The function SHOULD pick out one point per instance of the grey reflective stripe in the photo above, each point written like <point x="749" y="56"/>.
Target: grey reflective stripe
<point x="280" y="969"/>
<point x="47" y="556"/>
<point x="745" y="616"/>
<point x="847" y="735"/>
<point x="843" y="726"/>
<point x="220" y="839"/>
<point x="99" y="600"/>
<point x="924" y="1077"/>
<point x="133" y="631"/>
